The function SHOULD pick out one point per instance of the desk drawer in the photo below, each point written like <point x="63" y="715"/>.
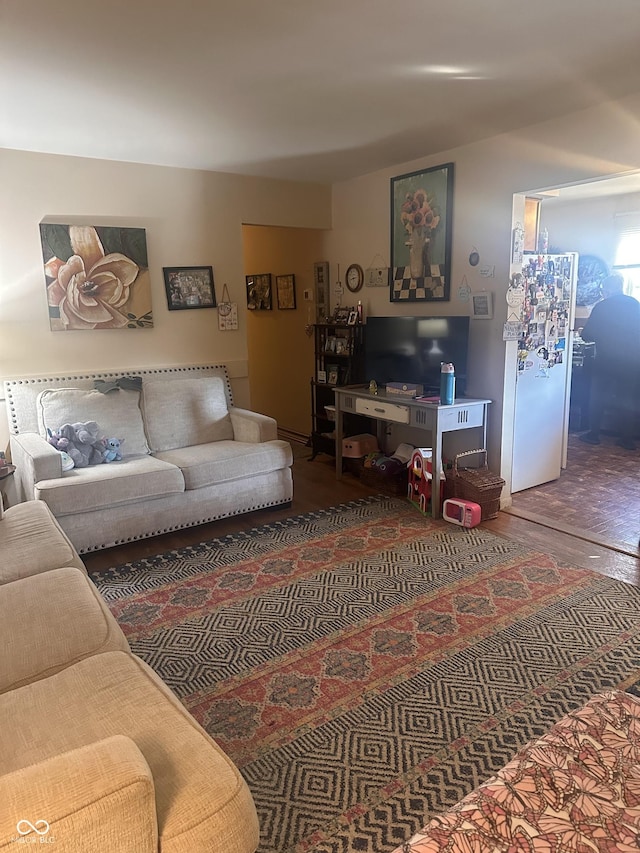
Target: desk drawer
<point x="461" y="417"/>
<point x="382" y="410"/>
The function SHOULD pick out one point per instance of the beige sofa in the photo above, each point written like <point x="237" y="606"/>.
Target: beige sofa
<point x="189" y="455"/>
<point x="95" y="752"/>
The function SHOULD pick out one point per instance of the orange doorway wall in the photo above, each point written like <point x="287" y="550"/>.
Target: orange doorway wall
<point x="280" y="352"/>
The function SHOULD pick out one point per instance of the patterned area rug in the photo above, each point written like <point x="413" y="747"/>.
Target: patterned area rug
<point x="366" y="667"/>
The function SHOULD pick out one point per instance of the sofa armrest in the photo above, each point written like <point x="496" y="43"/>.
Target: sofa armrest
<point x="252" y="427"/>
<point x="35" y="460"/>
<point x="98" y="797"/>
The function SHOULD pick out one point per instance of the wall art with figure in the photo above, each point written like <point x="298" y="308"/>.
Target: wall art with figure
<point x="421" y="217"/>
<point x="97" y="277"/>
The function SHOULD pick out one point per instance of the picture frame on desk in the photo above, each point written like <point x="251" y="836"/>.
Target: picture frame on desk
<point x="341" y="316"/>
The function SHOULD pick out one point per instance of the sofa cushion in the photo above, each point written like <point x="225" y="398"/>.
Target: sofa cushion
<point x="50" y="621"/>
<point x="202" y="802"/>
<point x="138" y="478"/>
<point x="33" y="542"/>
<point x="117" y="414"/>
<point x="184" y="412"/>
<point x="222" y="461"/>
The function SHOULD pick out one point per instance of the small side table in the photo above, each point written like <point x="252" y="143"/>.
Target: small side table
<point x="8" y="488"/>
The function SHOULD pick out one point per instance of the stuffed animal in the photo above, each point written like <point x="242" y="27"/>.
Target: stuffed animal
<point x="112" y="447"/>
<point x="56" y="440"/>
<point x="84" y="443"/>
<point x="61" y="444"/>
<point x="67" y="461"/>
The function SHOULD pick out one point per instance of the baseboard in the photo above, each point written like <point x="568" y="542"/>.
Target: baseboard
<point x="292" y="435"/>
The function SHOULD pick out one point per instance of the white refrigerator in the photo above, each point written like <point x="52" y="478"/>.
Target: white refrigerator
<point x="543" y="380"/>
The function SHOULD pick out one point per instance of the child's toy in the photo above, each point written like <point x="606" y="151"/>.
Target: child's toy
<point x="84" y="445"/>
<point x="61" y="444"/>
<point x="111" y="452"/>
<point x="67" y="461"/>
<point x="458" y="511"/>
<point x="420" y="477"/>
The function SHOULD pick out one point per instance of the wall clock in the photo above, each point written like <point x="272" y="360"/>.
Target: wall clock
<point x="354" y="277"/>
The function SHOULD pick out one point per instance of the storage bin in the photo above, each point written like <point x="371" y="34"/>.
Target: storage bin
<point x="355" y="446"/>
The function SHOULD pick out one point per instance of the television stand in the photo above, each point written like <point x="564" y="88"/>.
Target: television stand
<point x="429" y="417"/>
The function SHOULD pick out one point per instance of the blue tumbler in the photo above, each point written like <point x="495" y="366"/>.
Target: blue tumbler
<point x="447" y="384"/>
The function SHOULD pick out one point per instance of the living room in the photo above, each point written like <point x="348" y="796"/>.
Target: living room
<point x="202" y="216"/>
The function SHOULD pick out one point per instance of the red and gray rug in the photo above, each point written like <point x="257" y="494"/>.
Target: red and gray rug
<point x="366" y="667"/>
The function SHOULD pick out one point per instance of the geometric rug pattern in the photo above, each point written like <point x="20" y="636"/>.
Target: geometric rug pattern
<point x="365" y="666"/>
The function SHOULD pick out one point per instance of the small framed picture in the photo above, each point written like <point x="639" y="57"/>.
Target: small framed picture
<point x="341" y="316"/>
<point x="286" y="291"/>
<point x="332" y="379"/>
<point x="482" y="305"/>
<point x="322" y="376"/>
<point x="189" y="287"/>
<point x="259" y="292"/>
<point x="352" y="318"/>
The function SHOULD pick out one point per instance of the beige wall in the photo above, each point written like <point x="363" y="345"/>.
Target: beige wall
<point x="280" y="351"/>
<point x="195" y="217"/>
<point x="191" y="217"/>
<point x="586" y="226"/>
<point x="578" y="147"/>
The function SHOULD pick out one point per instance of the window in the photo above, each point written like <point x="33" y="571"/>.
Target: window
<point x="627" y="260"/>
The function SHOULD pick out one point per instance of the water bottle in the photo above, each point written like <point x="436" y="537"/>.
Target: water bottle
<point x="447" y="384"/>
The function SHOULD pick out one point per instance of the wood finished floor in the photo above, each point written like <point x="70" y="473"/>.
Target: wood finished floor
<point x="315" y="486"/>
<point x="598" y="494"/>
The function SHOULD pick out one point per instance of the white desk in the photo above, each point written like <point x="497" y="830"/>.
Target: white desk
<point x="433" y="418"/>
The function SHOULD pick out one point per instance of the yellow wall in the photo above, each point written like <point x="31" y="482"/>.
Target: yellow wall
<point x="191" y="218"/>
<point x="280" y="351"/>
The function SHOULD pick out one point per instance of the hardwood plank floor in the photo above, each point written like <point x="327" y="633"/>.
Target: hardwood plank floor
<point x="315" y="487"/>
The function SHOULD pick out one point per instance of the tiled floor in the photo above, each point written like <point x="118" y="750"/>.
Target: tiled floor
<point x="598" y="493"/>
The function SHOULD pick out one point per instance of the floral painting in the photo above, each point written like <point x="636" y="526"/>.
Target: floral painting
<point x="96" y="277"/>
<point x="421" y="215"/>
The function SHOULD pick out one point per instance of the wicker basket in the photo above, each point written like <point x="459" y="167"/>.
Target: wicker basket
<point x="389" y="484"/>
<point x="478" y="485"/>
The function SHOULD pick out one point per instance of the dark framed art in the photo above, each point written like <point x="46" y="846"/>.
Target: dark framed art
<point x="321" y="284"/>
<point x="189" y="287"/>
<point x="421" y="218"/>
<point x="286" y="291"/>
<point x="259" y="292"/>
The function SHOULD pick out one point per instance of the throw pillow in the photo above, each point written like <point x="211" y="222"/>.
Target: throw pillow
<point x="118" y="413"/>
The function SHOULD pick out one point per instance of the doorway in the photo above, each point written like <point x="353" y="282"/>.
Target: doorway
<point x="597" y="495"/>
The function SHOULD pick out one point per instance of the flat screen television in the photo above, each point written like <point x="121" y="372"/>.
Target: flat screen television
<point x="411" y="349"/>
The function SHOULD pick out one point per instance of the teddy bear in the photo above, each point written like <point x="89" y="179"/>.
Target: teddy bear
<point x="84" y="443"/>
<point x="112" y="446"/>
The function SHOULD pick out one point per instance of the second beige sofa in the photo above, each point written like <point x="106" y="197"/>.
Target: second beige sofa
<point x="96" y="753"/>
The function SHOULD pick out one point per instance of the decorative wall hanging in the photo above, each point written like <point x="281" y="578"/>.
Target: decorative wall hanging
<point x="321" y="284"/>
<point x="482" y="305"/>
<point x="227" y="312"/>
<point x="96" y="277"/>
<point x="259" y="292"/>
<point x="189" y="287"/>
<point x="421" y="217"/>
<point x="286" y="291"/>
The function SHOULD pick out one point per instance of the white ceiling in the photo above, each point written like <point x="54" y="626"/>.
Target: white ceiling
<point x="319" y="90"/>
